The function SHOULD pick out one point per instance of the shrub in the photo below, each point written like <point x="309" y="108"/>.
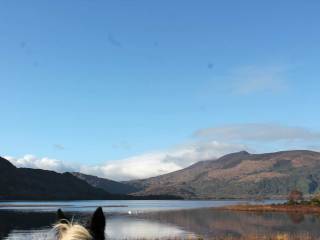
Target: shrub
<point x="294" y="197"/>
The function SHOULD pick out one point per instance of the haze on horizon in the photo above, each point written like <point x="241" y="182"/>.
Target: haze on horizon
<point x="132" y="89"/>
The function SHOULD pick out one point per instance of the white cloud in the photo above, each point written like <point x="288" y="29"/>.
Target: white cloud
<point x="31" y="161"/>
<point x="258" y="132"/>
<point x="156" y="163"/>
<point x="214" y="143"/>
<point x="140" y="166"/>
<point x="253" y="79"/>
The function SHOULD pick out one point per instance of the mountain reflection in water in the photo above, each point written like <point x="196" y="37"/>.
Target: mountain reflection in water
<point x="210" y="223"/>
<point x="207" y="223"/>
<point x="37" y="225"/>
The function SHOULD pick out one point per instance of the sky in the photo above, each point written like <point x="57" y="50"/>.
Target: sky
<point x="128" y="89"/>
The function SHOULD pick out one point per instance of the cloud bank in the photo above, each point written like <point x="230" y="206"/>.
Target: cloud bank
<point x="140" y="166"/>
<point x="161" y="162"/>
<point x="31" y="161"/>
<point x="209" y="143"/>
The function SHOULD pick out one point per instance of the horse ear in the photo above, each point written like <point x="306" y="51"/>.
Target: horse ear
<point x="61" y="217"/>
<point x="98" y="224"/>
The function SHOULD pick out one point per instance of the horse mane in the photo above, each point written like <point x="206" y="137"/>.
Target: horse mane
<point x="67" y="230"/>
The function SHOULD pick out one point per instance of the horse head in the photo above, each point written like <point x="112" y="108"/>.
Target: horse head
<point x="94" y="230"/>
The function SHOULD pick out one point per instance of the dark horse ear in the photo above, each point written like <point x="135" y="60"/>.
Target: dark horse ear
<point x="61" y="217"/>
<point x="97" y="224"/>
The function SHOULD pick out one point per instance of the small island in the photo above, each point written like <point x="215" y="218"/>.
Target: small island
<point x="295" y="203"/>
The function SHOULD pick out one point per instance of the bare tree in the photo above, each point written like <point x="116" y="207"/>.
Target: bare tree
<point x="295" y="196"/>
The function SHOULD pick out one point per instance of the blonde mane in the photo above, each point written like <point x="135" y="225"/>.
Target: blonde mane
<point x="71" y="231"/>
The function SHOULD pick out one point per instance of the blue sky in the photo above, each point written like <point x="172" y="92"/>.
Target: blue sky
<point x="90" y="82"/>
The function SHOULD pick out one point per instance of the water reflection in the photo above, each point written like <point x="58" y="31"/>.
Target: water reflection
<point x="21" y="221"/>
<point x="208" y="223"/>
<point x="43" y="234"/>
<point x="132" y="228"/>
<point x="118" y="205"/>
<point x="20" y="225"/>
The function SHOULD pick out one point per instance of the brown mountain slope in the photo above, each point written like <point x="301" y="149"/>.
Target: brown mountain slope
<point x="108" y="185"/>
<point x="240" y="175"/>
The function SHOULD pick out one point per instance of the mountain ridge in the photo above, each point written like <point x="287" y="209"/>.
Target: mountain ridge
<point x="240" y="175"/>
<point x="38" y="184"/>
<point x="235" y="175"/>
<point x="108" y="185"/>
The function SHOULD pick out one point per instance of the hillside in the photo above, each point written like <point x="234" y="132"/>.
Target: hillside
<point x="240" y="175"/>
<point x="106" y="184"/>
<point x="37" y="184"/>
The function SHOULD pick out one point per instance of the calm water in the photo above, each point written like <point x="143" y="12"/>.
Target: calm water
<point x="153" y="219"/>
<point x="117" y="206"/>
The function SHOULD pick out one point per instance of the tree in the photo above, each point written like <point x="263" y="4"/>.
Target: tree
<point x="316" y="196"/>
<point x="295" y="196"/>
<point x="315" y="200"/>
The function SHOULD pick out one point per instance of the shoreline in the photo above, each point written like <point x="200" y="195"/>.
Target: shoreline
<point x="272" y="208"/>
<point x="52" y="205"/>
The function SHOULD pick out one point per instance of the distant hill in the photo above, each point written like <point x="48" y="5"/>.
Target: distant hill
<point x="37" y="184"/>
<point x="240" y="175"/>
<point x="106" y="184"/>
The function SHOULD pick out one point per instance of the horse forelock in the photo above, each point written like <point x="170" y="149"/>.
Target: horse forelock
<point x="71" y="231"/>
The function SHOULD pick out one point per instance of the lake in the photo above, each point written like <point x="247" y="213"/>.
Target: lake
<point x="165" y="219"/>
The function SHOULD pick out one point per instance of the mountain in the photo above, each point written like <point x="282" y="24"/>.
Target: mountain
<point x="240" y="175"/>
<point x="37" y="184"/>
<point x="106" y="184"/>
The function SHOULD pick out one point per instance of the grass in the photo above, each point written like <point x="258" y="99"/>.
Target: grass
<point x="274" y="208"/>
<point x="311" y="206"/>
<point x="276" y="236"/>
